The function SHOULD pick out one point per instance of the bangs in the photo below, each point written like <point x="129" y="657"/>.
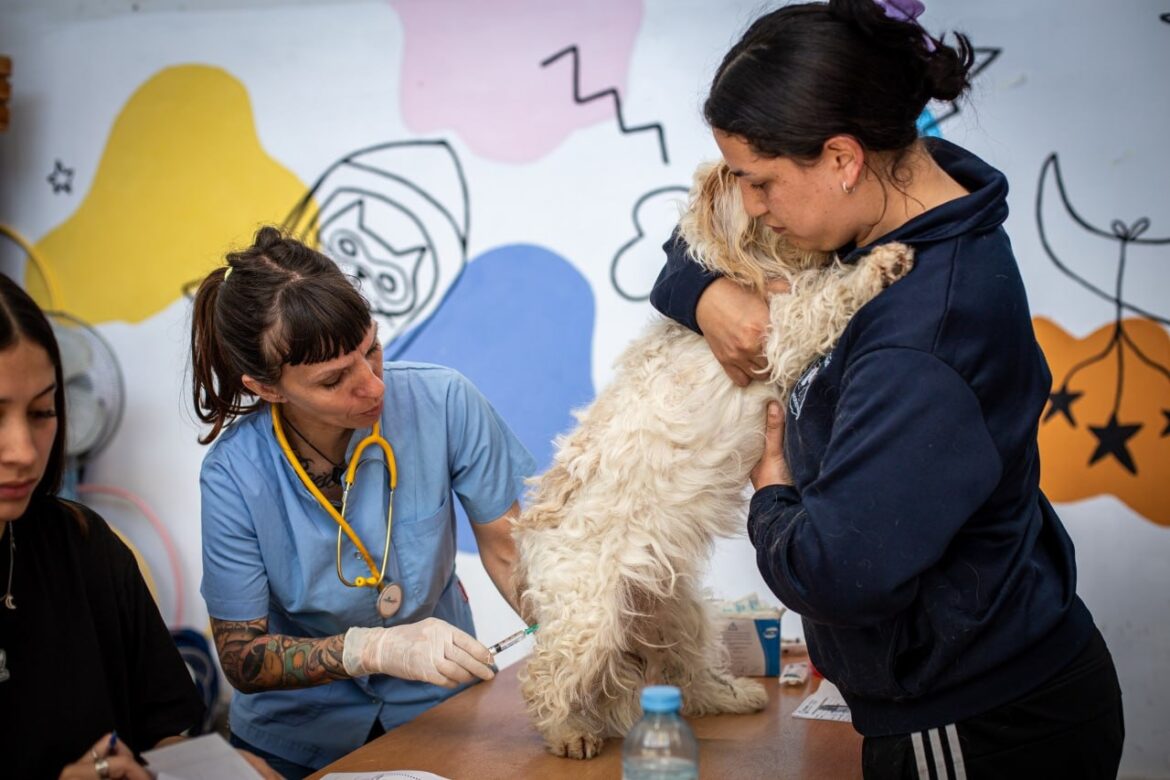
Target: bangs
<point x="9" y="330"/>
<point x="316" y="320"/>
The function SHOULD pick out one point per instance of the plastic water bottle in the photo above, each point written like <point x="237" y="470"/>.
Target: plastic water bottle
<point x="661" y="746"/>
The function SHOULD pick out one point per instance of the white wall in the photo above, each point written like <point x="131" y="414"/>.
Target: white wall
<point x="1081" y="79"/>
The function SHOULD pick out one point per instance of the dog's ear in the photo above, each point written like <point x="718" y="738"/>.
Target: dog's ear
<point x="717" y="188"/>
<point x="714" y="202"/>
<point x="723" y="238"/>
<point x="719" y="204"/>
<point x="720" y="235"/>
<point x="693" y="224"/>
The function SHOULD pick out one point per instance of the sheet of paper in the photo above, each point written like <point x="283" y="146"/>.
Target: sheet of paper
<point x="825" y="703"/>
<point x="400" y="774"/>
<point x="200" y="758"/>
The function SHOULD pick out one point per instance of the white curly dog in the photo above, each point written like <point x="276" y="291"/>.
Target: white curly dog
<point x="617" y="533"/>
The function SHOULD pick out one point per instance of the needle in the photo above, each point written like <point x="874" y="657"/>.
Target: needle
<point x="504" y="644"/>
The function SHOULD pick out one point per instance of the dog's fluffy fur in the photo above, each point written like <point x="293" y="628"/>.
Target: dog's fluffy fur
<point x="617" y="532"/>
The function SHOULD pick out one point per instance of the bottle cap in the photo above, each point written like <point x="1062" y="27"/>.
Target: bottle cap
<point x="661" y="698"/>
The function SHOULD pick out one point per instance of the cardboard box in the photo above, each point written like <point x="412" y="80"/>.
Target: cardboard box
<point x="750" y="631"/>
<point x="753" y="644"/>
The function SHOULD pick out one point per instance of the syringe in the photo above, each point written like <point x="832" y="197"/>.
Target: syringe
<point x="504" y="644"/>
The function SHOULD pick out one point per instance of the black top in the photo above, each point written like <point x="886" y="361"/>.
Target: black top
<point x="935" y="580"/>
<point x="86" y="650"/>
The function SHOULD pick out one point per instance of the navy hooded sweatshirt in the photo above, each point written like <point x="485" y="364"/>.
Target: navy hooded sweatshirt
<point x="934" y="579"/>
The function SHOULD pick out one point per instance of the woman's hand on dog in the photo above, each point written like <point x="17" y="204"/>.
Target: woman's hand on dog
<point x="772" y="468"/>
<point x="734" y="321"/>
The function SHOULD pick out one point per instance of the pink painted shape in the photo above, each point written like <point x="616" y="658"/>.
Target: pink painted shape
<point x="473" y="69"/>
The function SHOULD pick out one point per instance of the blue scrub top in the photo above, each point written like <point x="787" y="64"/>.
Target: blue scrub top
<point x="269" y="550"/>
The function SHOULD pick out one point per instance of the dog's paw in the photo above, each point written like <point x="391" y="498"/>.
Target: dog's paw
<point x="725" y="694"/>
<point x="574" y="745"/>
<point x="891" y="262"/>
<point x="749" y="694"/>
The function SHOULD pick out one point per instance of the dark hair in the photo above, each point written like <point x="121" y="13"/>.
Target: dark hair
<point x="283" y="303"/>
<point x="20" y="317"/>
<point x="804" y="73"/>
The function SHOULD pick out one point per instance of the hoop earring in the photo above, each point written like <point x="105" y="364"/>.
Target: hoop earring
<point x="846" y="188"/>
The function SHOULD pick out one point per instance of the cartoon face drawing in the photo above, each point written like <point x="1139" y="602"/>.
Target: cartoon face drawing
<point x="394" y="217"/>
<point x="362" y="247"/>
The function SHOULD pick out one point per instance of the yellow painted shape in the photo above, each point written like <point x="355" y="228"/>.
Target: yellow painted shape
<point x="1065" y="451"/>
<point x="182" y="179"/>
<point x="143" y="566"/>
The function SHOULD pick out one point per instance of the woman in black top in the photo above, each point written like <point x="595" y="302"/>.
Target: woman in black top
<point x="83" y="650"/>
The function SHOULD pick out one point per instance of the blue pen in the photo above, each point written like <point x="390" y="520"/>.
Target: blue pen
<point x="113" y="743"/>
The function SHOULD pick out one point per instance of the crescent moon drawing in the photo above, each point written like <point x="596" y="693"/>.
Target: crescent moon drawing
<point x="1119" y="232"/>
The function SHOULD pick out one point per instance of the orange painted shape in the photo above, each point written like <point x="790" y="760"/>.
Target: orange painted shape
<point x="1066" y="474"/>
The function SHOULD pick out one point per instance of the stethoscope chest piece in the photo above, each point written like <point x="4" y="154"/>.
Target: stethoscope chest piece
<point x="390" y="600"/>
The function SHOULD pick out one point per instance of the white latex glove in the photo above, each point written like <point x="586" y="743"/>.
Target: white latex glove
<point x="431" y="650"/>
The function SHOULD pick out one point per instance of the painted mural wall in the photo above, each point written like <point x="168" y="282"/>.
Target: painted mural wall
<point x="500" y="177"/>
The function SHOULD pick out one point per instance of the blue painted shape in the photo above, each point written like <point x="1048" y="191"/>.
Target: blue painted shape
<point x="928" y="125"/>
<point x="519" y="324"/>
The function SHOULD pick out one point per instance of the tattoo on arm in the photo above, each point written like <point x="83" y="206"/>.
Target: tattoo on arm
<point x="254" y="660"/>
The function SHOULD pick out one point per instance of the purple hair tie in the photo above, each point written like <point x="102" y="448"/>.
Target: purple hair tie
<point x="906" y="11"/>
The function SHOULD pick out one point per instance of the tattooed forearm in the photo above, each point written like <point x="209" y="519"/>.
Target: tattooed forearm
<point x="254" y="660"/>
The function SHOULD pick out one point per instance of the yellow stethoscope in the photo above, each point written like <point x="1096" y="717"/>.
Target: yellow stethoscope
<point x="389" y="593"/>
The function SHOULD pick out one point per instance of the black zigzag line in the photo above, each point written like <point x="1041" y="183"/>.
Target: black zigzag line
<point x="617" y="100"/>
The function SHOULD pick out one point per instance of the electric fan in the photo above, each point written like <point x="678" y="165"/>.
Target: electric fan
<point x="94" y="400"/>
<point x="94" y="392"/>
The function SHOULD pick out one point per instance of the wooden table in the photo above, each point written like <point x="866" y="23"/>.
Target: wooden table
<point x="483" y="733"/>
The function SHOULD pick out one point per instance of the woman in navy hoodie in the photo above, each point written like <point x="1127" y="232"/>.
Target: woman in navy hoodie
<point x="903" y="518"/>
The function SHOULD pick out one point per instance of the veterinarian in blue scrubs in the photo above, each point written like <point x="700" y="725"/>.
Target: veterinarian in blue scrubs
<point x="284" y="345"/>
<point x="902" y="518"/>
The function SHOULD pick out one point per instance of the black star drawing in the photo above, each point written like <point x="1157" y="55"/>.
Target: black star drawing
<point x="1113" y="437"/>
<point x="1166" y="430"/>
<point x="1061" y="401"/>
<point x="1111" y="440"/>
<point x="61" y="179"/>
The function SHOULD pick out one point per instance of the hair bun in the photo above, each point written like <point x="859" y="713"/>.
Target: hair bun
<point x="948" y="69"/>
<point x="268" y="237"/>
<point x="944" y="69"/>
